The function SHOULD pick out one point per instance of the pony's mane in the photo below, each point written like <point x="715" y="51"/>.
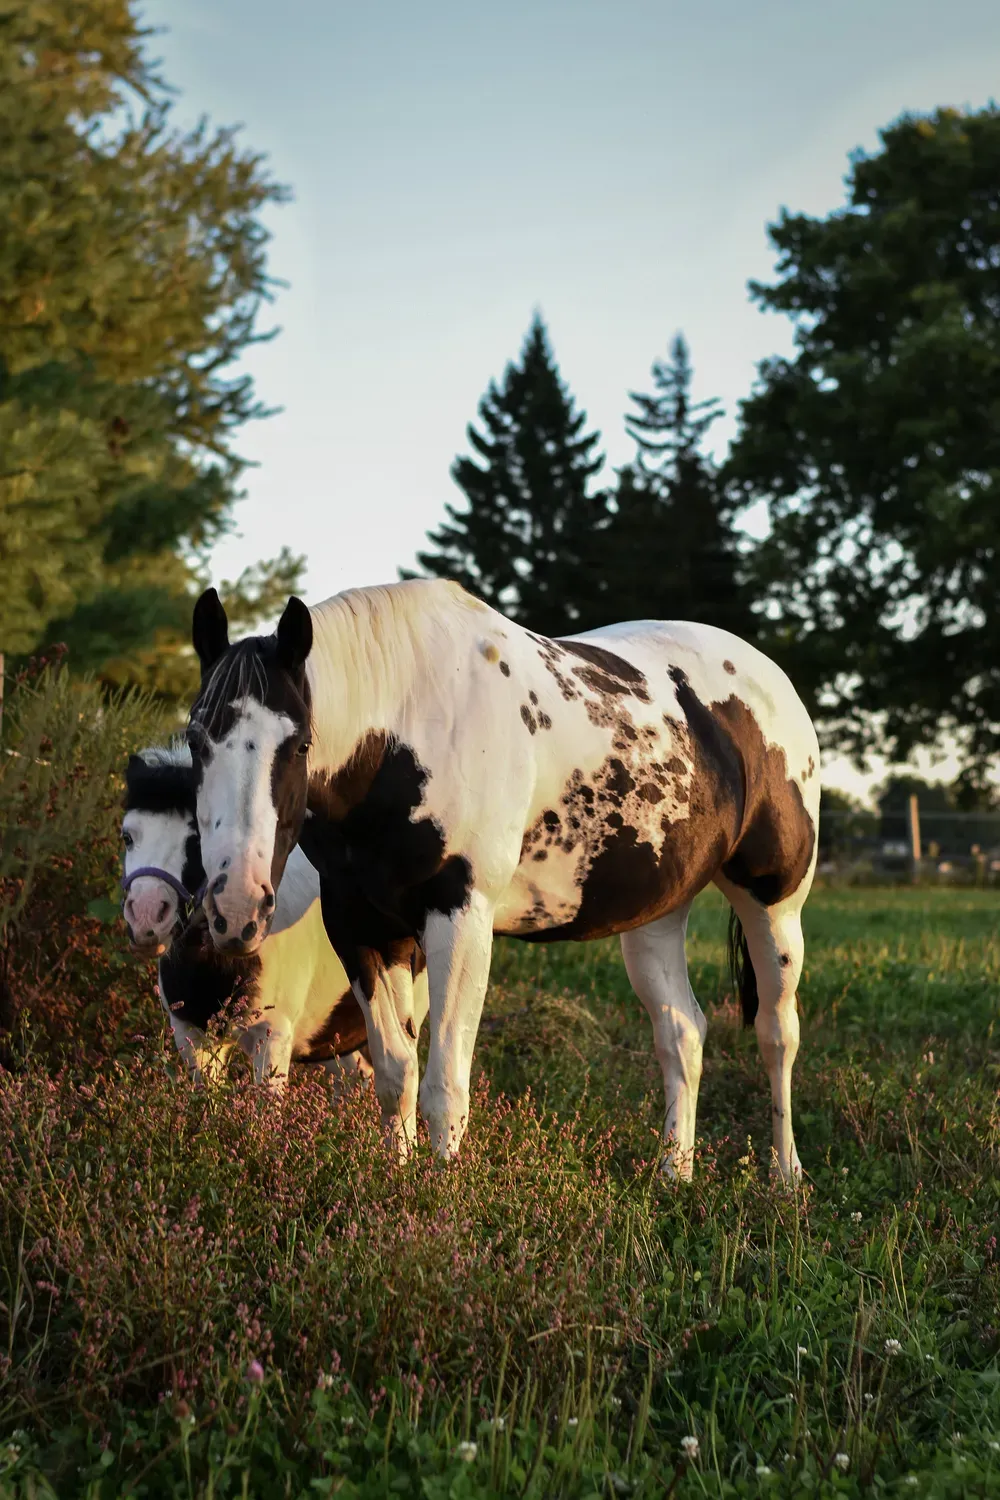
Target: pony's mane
<point x="177" y="753"/>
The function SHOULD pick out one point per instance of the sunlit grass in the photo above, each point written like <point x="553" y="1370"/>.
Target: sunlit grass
<point x="203" y="1296"/>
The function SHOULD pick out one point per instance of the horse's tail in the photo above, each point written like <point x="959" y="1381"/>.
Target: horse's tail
<point x="741" y="970"/>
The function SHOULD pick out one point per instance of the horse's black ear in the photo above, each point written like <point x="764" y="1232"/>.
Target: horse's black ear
<point x="209" y="629"/>
<point x="295" y="635"/>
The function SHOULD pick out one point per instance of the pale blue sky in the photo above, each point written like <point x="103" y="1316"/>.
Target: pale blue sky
<point x="456" y="165"/>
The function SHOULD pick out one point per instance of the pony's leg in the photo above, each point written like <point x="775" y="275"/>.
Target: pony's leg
<point x="270" y="1052"/>
<point x="458" y="950"/>
<point x="657" y="969"/>
<point x="206" y="1059"/>
<point x="774" y="940"/>
<point x="352" y="1068"/>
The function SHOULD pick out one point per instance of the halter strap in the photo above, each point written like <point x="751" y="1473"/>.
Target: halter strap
<point x="178" y="886"/>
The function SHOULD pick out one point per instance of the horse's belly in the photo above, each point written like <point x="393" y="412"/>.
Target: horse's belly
<point x="542" y="895"/>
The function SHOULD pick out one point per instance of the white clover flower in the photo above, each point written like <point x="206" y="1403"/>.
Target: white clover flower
<point x="615" y="1402"/>
<point x="844" y="1171"/>
<point x="842" y="1461"/>
<point x="689" y="1447"/>
<point x="499" y="1423"/>
<point x="801" y="1349"/>
<point x="994" y="1445"/>
<point x="572" y="1421"/>
<point x="763" y="1470"/>
<point x="893" y="1346"/>
<point x="467" y="1452"/>
<point x="911" y="1479"/>
<point x="325" y="1382"/>
<point x="348" y="1423"/>
<point x="869" y="1398"/>
<point x="856" y="1216"/>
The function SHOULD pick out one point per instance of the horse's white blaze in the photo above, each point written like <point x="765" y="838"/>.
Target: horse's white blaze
<point x="237" y="817"/>
<point x="157" y="839"/>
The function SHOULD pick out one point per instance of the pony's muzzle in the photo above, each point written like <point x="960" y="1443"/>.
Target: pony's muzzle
<point x="150" y="918"/>
<point x="239" y="926"/>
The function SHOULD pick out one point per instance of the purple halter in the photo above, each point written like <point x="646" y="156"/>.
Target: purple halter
<point x="189" y="902"/>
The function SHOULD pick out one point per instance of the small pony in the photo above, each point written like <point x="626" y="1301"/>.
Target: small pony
<point x="283" y="991"/>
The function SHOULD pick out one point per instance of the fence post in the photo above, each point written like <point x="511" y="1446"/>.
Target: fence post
<point x="915" y="835"/>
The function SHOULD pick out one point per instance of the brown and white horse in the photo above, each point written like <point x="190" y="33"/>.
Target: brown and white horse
<point x="463" y="776"/>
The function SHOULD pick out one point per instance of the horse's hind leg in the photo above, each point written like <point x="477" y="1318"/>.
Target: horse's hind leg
<point x="657" y="970"/>
<point x="774" y="940"/>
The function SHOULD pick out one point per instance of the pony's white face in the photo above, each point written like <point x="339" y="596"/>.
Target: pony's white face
<point x="249" y="737"/>
<point x="160" y="837"/>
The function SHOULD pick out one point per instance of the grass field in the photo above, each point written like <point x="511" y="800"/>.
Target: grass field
<point x="202" y="1295"/>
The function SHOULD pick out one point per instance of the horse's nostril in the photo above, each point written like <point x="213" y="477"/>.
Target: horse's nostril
<point x="248" y="932"/>
<point x="269" y="900"/>
<point x="219" y="884"/>
<point x="220" y="924"/>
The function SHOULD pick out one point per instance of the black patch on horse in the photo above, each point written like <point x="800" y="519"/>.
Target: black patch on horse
<point x="382" y="871"/>
<point x="197" y="981"/>
<point x="159" y="788"/>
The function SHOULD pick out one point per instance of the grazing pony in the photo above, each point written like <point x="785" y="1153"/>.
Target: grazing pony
<point x="293" y="995"/>
<point x="464" y="776"/>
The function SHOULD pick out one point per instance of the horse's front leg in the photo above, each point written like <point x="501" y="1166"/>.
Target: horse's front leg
<point x="384" y="990"/>
<point x="458" y="950"/>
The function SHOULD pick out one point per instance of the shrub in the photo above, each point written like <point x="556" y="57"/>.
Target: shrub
<point x="62" y="969"/>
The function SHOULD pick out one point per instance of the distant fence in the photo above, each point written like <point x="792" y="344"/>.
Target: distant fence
<point x="911" y="844"/>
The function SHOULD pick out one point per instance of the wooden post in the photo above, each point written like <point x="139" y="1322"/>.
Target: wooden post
<point x="915" y="835"/>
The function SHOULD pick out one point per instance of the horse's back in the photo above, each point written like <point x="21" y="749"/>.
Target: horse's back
<point x="677" y="751"/>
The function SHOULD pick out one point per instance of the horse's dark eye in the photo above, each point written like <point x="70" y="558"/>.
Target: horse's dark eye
<point x="127" y="840"/>
<point x="305" y="747"/>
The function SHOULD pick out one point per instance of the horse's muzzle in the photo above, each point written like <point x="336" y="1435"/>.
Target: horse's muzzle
<point x="239" y="931"/>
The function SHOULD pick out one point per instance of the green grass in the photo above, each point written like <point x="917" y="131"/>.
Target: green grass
<point x="548" y="1299"/>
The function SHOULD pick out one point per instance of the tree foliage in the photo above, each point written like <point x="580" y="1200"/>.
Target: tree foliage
<point x="132" y="272"/>
<point x="670" y="549"/>
<point x="526" y="542"/>
<point x="877" y="446"/>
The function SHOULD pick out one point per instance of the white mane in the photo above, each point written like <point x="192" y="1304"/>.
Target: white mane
<point x="373" y="648"/>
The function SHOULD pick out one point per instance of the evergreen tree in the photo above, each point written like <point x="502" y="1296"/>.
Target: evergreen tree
<point x="526" y="543"/>
<point x="670" y="551"/>
<point x="132" y="270"/>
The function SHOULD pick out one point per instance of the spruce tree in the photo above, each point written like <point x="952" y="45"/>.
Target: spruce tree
<point x="132" y="271"/>
<point x="670" y="551"/>
<point x="527" y="540"/>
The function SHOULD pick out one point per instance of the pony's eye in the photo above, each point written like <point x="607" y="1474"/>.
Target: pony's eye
<point x="304" y="748"/>
<point x="127" y="839"/>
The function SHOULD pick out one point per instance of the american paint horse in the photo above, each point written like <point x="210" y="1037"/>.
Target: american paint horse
<point x="294" y="1000"/>
<point x="463" y="776"/>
